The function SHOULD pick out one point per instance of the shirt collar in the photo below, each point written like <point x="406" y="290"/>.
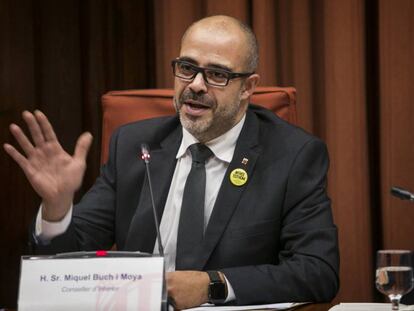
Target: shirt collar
<point x="222" y="146"/>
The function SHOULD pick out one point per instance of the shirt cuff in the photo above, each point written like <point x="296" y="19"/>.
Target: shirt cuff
<point x="47" y="230"/>
<point x="230" y="292"/>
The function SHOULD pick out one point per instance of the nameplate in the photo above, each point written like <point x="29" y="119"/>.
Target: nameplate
<point x="102" y="283"/>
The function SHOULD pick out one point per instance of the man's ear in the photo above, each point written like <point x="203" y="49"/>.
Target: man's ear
<point x="249" y="86"/>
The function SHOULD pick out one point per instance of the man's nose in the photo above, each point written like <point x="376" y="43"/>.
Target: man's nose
<point x="198" y="85"/>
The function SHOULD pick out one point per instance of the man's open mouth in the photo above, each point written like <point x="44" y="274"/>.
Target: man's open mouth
<point x="195" y="108"/>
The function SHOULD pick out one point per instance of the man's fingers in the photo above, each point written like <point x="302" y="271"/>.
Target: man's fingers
<point x="45" y="126"/>
<point x="34" y="128"/>
<point x="82" y="146"/>
<point x="16" y="156"/>
<point x="22" y="139"/>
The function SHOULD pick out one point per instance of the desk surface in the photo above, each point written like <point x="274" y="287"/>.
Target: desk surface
<point x="316" y="307"/>
<point x="309" y="307"/>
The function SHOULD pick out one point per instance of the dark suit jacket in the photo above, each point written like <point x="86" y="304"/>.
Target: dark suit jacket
<point x="273" y="237"/>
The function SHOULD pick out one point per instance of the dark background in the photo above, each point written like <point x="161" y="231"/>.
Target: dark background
<point x="351" y="61"/>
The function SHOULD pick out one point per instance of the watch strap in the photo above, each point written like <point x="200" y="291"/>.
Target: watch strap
<point x="214" y="276"/>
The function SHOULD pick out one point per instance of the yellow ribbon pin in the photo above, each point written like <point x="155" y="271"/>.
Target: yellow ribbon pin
<point x="238" y="177"/>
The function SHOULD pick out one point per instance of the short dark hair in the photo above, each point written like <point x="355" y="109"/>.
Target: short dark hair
<point x="253" y="56"/>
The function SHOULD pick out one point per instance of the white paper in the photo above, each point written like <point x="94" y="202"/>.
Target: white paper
<point x="350" y="306"/>
<point x="121" y="283"/>
<point x="273" y="306"/>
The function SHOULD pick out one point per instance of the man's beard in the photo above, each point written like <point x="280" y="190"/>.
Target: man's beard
<point x="217" y="121"/>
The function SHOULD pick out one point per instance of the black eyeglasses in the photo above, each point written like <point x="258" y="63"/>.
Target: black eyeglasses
<point x="216" y="77"/>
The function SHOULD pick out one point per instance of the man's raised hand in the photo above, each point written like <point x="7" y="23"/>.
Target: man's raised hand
<point x="53" y="173"/>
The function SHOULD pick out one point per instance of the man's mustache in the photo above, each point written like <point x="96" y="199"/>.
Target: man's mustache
<point x="201" y="98"/>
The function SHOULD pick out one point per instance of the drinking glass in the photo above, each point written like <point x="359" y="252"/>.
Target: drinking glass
<point x="394" y="275"/>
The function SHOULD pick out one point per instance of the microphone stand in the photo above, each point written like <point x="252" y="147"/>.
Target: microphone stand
<point x="145" y="156"/>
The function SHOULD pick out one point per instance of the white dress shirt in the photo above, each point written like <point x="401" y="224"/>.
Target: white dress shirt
<point x="223" y="149"/>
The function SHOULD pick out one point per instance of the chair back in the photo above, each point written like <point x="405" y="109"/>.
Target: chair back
<point x="121" y="107"/>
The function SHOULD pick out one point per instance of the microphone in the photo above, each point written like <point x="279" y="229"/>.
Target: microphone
<point x="402" y="194"/>
<point x="145" y="155"/>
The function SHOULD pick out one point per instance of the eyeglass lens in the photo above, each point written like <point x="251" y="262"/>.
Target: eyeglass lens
<point x="187" y="71"/>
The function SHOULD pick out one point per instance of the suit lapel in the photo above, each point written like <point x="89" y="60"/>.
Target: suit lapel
<point x="229" y="194"/>
<point x="142" y="231"/>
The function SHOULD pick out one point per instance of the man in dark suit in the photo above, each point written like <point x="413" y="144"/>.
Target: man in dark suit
<point x="266" y="232"/>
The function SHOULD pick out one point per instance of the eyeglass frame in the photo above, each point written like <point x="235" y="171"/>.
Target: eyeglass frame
<point x="197" y="69"/>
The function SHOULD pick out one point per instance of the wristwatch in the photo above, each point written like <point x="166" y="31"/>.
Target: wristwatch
<point x="217" y="289"/>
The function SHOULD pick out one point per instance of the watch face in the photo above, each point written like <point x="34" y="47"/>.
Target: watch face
<point x="217" y="292"/>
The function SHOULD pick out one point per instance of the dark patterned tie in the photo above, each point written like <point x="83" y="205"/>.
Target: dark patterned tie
<point x="191" y="226"/>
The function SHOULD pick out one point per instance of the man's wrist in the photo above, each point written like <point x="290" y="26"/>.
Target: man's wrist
<point x="55" y="212"/>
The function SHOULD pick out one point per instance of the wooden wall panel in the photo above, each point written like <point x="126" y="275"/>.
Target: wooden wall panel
<point x="345" y="133"/>
<point x="396" y="42"/>
<point x="17" y="92"/>
<point x="60" y="57"/>
<point x="296" y="49"/>
<point x="171" y="20"/>
<point x="264" y="24"/>
<point x="58" y="70"/>
<point x="95" y="64"/>
<point x="237" y="8"/>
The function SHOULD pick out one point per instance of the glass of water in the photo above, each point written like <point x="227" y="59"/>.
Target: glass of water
<point x="394" y="275"/>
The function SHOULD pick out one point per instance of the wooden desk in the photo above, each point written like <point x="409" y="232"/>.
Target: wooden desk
<point x="316" y="307"/>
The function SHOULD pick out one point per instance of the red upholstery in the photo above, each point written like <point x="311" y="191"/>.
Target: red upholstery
<point x="121" y="107"/>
